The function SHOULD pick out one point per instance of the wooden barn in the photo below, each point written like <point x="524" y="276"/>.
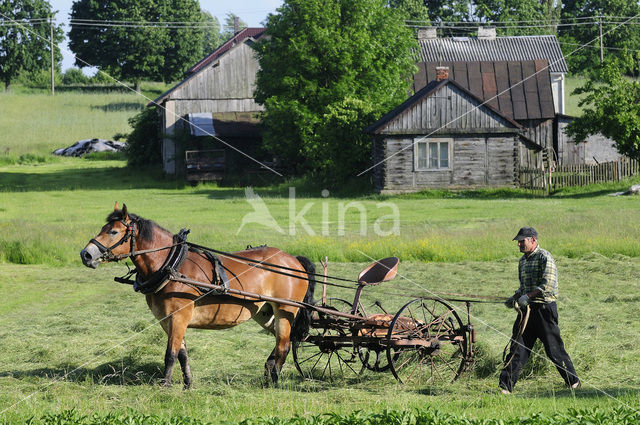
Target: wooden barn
<point x="463" y="129"/>
<point x="218" y="93"/>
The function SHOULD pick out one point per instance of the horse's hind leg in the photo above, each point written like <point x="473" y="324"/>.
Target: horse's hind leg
<point x="184" y="364"/>
<point x="283" y="322"/>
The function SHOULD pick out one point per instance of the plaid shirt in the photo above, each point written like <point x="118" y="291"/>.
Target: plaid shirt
<point x="538" y="271"/>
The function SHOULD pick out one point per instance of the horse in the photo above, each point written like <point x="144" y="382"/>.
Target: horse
<point x="179" y="306"/>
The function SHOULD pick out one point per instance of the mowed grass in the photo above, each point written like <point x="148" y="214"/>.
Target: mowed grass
<point x="74" y="339"/>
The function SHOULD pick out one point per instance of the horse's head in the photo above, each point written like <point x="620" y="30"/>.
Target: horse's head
<point x="115" y="240"/>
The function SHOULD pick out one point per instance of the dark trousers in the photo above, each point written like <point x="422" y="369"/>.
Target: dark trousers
<point x="543" y="324"/>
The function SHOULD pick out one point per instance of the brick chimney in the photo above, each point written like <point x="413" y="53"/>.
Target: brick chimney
<point x="428" y="33"/>
<point x="486" y="33"/>
<point x="442" y="73"/>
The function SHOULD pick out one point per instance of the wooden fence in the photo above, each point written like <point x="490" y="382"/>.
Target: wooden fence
<point x="578" y="175"/>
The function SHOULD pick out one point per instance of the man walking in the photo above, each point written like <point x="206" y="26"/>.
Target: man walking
<point x="539" y="290"/>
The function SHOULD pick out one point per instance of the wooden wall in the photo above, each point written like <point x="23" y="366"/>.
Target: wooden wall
<point x="448" y="108"/>
<point x="476" y="161"/>
<point x="233" y="76"/>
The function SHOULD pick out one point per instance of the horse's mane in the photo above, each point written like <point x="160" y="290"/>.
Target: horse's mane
<point x="145" y="227"/>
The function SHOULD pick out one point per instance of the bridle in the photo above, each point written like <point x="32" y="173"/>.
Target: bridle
<point x="107" y="253"/>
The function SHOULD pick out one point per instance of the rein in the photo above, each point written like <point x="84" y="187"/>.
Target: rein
<point x="270" y="267"/>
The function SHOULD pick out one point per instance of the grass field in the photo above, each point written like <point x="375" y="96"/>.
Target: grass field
<point x="76" y="344"/>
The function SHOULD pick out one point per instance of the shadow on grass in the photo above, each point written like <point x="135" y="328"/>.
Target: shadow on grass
<point x="127" y="373"/>
<point x="87" y="178"/>
<point x="119" y="107"/>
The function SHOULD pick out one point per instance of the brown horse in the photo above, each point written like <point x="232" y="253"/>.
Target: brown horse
<point x="178" y="305"/>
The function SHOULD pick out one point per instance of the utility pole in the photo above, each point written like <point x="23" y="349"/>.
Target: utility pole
<point x="53" y="89"/>
<point x="601" y="49"/>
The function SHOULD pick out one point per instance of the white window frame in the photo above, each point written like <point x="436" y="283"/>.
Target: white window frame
<point x="425" y="142"/>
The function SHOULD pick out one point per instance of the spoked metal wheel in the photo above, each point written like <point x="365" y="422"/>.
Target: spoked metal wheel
<point x="328" y="352"/>
<point x="427" y="342"/>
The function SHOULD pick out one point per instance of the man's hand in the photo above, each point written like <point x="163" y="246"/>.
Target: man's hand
<point x="510" y="302"/>
<point x="523" y="301"/>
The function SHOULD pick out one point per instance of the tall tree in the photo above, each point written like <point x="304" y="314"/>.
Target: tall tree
<point x="611" y="107"/>
<point x="129" y="46"/>
<point x="328" y="69"/>
<point x="211" y="37"/>
<point x="617" y="34"/>
<point x="25" y="38"/>
<point x="521" y="17"/>
<point x="416" y="10"/>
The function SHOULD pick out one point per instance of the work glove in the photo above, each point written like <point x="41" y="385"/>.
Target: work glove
<point x="523" y="301"/>
<point x="510" y="302"/>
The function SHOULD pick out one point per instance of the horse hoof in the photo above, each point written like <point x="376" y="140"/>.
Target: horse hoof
<point x="165" y="383"/>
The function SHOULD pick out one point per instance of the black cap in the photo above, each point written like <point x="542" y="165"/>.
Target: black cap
<point x="526" y="232"/>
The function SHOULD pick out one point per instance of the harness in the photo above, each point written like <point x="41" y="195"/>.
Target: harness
<point x="169" y="269"/>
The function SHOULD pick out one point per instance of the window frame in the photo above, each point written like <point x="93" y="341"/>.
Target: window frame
<point x="421" y="141"/>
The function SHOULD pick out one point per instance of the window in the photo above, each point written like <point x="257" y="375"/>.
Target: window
<point x="432" y="155"/>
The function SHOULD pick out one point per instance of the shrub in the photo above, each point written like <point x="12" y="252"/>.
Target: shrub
<point x="144" y="146"/>
<point x="74" y="76"/>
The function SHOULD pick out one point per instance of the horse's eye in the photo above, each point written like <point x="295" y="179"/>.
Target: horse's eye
<point x="113" y="232"/>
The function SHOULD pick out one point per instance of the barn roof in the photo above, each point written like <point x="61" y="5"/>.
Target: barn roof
<point x="426" y="91"/>
<point x="520" y="90"/>
<point x="241" y="36"/>
<point x="515" y="48"/>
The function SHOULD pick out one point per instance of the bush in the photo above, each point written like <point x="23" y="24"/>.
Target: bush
<point x="74" y="76"/>
<point x="40" y="79"/>
<point x="144" y="146"/>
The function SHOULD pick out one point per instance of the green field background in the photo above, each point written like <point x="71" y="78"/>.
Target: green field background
<point x="76" y="344"/>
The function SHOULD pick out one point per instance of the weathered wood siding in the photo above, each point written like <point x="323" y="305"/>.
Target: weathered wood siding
<point x="233" y="76"/>
<point x="596" y="149"/>
<point x="476" y="161"/>
<point x="448" y="108"/>
<point x="539" y="131"/>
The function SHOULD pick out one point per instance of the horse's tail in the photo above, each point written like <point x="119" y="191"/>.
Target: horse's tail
<point x="302" y="321"/>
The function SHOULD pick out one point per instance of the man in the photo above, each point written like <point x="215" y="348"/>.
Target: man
<point x="539" y="290"/>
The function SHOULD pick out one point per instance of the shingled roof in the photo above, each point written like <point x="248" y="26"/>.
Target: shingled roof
<point x="515" y="48"/>
<point x="520" y="90"/>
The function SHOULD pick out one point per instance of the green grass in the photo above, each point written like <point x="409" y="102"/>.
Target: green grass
<point x="79" y="348"/>
<point x="72" y="196"/>
<point x="80" y="341"/>
<point x="571" y="101"/>
<point x="41" y="123"/>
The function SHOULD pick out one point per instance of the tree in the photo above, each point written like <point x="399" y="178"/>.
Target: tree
<point x="617" y="35"/>
<point x="131" y="44"/>
<point x="24" y="38"/>
<point x="521" y="17"/>
<point x="328" y="69"/>
<point x="611" y="107"/>
<point x="416" y="11"/>
<point x="211" y="37"/>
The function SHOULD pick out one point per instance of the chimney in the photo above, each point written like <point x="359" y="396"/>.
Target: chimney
<point x="236" y="25"/>
<point x="429" y="33"/>
<point x="486" y="33"/>
<point x="442" y="73"/>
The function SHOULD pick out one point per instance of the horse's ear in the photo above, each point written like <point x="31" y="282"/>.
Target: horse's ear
<point x="115" y="208"/>
<point x="125" y="214"/>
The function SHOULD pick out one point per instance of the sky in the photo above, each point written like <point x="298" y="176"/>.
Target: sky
<point x="253" y="12"/>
